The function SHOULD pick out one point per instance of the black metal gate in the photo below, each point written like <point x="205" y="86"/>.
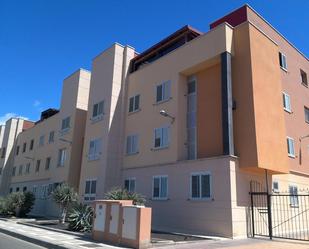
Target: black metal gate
<point x="280" y="215"/>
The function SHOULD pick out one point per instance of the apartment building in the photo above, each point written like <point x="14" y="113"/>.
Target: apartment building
<point x="49" y="152"/>
<point x="204" y="115"/>
<point x="189" y="123"/>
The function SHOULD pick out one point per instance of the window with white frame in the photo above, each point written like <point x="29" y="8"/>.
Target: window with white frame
<point x="306" y="114"/>
<point x="161" y="137"/>
<point x="37" y="166"/>
<point x="282" y="61"/>
<point x="62" y="154"/>
<point x="163" y="91"/>
<point x="95" y="149"/>
<point x="90" y="190"/>
<point x="286" y="102"/>
<point x="132" y="144"/>
<point x="291" y="148"/>
<point x="201" y="185"/>
<point x="129" y="184"/>
<point x="98" y="110"/>
<point x="293" y="190"/>
<point x="47" y="163"/>
<point x="20" y="170"/>
<point x="41" y="140"/>
<point x="27" y="168"/>
<point x="160" y="187"/>
<point x="13" y="171"/>
<point x="134" y="103"/>
<point x="51" y="137"/>
<point x="275" y="186"/>
<point x="65" y="124"/>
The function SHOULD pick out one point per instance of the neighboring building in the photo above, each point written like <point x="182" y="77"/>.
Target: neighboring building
<point x="49" y="153"/>
<point x="190" y="123"/>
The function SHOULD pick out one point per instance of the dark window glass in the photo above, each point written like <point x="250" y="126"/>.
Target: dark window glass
<point x="205" y="186"/>
<point x="156" y="187"/>
<point x="195" y="186"/>
<point x="159" y="93"/>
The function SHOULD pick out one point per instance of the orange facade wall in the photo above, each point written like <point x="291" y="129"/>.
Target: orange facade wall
<point x="209" y="117"/>
<point x="260" y="136"/>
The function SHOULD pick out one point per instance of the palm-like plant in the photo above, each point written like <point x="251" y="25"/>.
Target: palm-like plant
<point x="64" y="196"/>
<point x="80" y="217"/>
<point x="123" y="194"/>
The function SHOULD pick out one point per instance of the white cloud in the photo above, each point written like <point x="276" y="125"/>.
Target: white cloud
<point x="36" y="103"/>
<point x="9" y="115"/>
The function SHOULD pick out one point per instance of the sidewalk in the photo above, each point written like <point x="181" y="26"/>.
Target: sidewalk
<point x="50" y="239"/>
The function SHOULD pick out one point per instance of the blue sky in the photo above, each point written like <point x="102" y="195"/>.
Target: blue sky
<point x="42" y="42"/>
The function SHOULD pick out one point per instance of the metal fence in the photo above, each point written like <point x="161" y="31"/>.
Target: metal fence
<point x="280" y="215"/>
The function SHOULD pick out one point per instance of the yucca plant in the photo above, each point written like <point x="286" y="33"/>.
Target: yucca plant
<point x="64" y="196"/>
<point x="123" y="194"/>
<point x="80" y="217"/>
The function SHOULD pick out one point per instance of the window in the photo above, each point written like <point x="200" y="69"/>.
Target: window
<point x="90" y="190"/>
<point x="17" y="150"/>
<point x="132" y="144"/>
<point x="134" y="103"/>
<point x="282" y="61"/>
<point x="41" y="140"/>
<point x="160" y="187"/>
<point x="47" y="163"/>
<point x="11" y="190"/>
<point x="95" y="149"/>
<point x="13" y="171"/>
<point x="275" y="186"/>
<point x="303" y="77"/>
<point x="200" y="186"/>
<point x="20" y="170"/>
<point x="24" y="147"/>
<point x="65" y="123"/>
<point x="51" y="137"/>
<point x="28" y="168"/>
<point x="98" y="110"/>
<point x="291" y="149"/>
<point x="61" y="157"/>
<point x="293" y="195"/>
<point x="163" y="91"/>
<point x="129" y="184"/>
<point x="306" y="114"/>
<point x="161" y="137"/>
<point x="286" y="102"/>
<point x="3" y="152"/>
<point x="31" y="144"/>
<point x="17" y="189"/>
<point x="0" y="171"/>
<point x="37" y="166"/>
<point x="24" y="189"/>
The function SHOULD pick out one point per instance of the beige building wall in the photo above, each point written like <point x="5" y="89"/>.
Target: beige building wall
<point x="74" y="101"/>
<point x="108" y="82"/>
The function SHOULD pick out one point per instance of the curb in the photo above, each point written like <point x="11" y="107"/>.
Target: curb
<point x="54" y="229"/>
<point x="32" y="240"/>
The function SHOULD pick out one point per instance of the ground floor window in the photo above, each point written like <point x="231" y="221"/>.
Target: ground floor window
<point x="293" y="195"/>
<point x="129" y="184"/>
<point x="200" y="185"/>
<point x="160" y="187"/>
<point x="90" y="190"/>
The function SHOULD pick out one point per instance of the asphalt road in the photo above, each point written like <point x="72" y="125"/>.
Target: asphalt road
<point x="8" y="242"/>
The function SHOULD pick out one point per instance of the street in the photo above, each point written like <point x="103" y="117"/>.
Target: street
<point x="8" y="242"/>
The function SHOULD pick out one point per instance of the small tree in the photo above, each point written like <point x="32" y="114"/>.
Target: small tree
<point x="18" y="203"/>
<point x="80" y="217"/>
<point x="123" y="194"/>
<point x="64" y="196"/>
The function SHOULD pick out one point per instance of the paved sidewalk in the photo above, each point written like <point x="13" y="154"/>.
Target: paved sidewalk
<point x="50" y="239"/>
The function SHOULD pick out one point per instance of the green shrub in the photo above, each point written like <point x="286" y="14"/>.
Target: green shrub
<point x="65" y="196"/>
<point x="123" y="194"/>
<point x="80" y="218"/>
<point x="17" y="203"/>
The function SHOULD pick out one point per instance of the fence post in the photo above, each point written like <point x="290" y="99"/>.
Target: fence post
<point x="270" y="226"/>
<point x="252" y="214"/>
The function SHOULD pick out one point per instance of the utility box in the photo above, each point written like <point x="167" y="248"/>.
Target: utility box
<point x="122" y="223"/>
